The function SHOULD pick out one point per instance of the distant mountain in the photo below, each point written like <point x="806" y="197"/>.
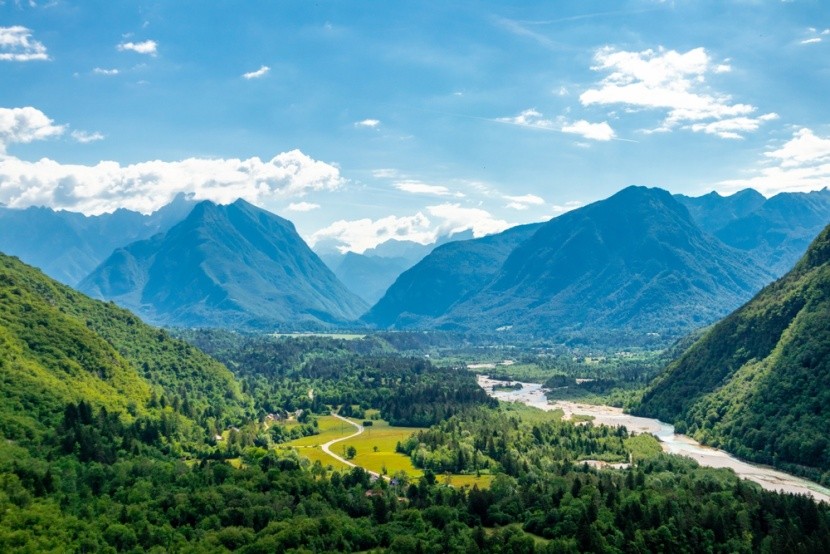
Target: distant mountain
<point x="225" y="266"/>
<point x="69" y="245"/>
<point x="758" y="383"/>
<point x="58" y="347"/>
<point x="775" y="231"/>
<point x="447" y="275"/>
<point x="627" y="266"/>
<point x="713" y="211"/>
<point x="369" y="274"/>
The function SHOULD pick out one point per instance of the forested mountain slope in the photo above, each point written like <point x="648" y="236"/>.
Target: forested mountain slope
<point x="58" y="347"/>
<point x="758" y="383"/>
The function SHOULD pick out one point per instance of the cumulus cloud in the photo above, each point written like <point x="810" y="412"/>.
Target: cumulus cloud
<point x="302" y="206"/>
<point x="107" y="72"/>
<point x="23" y="125"/>
<point x="418" y="187"/>
<point x="594" y="131"/>
<point x="261" y="72"/>
<point x="361" y="234"/>
<point x="146" y="186"/>
<point x="17" y="45"/>
<point x="443" y="219"/>
<point x="370" y="123"/>
<point x="800" y="164"/>
<point x="455" y="218"/>
<point x="84" y="137"/>
<point x="148" y="47"/>
<point x="524" y="201"/>
<point x="668" y="81"/>
<point x="814" y="40"/>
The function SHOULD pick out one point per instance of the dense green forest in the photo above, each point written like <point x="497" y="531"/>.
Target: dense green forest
<point x="758" y="383"/>
<point x="316" y="373"/>
<point x="109" y="444"/>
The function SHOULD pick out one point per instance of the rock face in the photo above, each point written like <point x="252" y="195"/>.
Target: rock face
<point x="225" y="266"/>
<point x="758" y="382"/>
<point x="632" y="264"/>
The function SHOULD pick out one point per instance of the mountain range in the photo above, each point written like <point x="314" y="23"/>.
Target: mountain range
<point x="774" y="231"/>
<point x="758" y="382"/>
<point x="369" y="274"/>
<point x="225" y="266"/>
<point x="633" y="264"/>
<point x="67" y="246"/>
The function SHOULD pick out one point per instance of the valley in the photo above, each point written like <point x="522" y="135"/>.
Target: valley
<point x="532" y="394"/>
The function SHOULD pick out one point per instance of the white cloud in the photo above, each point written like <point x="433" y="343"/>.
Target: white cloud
<point x="385" y="173"/>
<point x="362" y="234"/>
<point x="813" y="40"/>
<point x="536" y="120"/>
<point x="529" y="118"/>
<point x="302" y="206"/>
<point x="107" y="72"/>
<point x="370" y="123"/>
<point x="800" y="164"/>
<point x="147" y="186"/>
<point x="147" y="47"/>
<point x="16" y="45"/>
<point x="733" y="127"/>
<point x="444" y="219"/>
<point x="594" y="131"/>
<point x="803" y="149"/>
<point x="261" y="72"/>
<point x="559" y="209"/>
<point x="84" y="137"/>
<point x="456" y="218"/>
<point x="23" y="125"/>
<point x="664" y="80"/>
<point x="524" y="201"/>
<point x="418" y="187"/>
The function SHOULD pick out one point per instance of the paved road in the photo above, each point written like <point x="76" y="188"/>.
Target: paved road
<point x="327" y="447"/>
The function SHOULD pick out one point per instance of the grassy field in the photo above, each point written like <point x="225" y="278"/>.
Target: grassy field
<point x="375" y="450"/>
<point x="330" y="428"/>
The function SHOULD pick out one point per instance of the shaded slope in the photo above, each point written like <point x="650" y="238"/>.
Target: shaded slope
<point x="774" y="231"/>
<point x="630" y="265"/>
<point x="232" y="266"/>
<point x="447" y="275"/>
<point x="758" y="383"/>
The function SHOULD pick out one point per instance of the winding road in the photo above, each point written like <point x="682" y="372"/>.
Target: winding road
<point x="327" y="446"/>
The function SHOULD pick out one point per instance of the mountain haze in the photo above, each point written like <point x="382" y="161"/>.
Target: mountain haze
<point x="774" y="231"/>
<point x="67" y="246"/>
<point x="225" y="266"/>
<point x="446" y="276"/>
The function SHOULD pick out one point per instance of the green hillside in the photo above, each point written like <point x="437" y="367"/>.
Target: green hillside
<point x="758" y="383"/>
<point x="59" y="347"/>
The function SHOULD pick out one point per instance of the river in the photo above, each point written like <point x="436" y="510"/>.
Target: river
<point x="532" y="394"/>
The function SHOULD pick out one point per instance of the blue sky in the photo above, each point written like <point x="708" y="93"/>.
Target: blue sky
<point x="363" y="121"/>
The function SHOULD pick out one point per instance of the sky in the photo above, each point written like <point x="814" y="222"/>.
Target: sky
<point x="365" y="121"/>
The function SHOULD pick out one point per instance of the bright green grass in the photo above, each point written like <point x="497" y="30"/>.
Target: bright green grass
<point x="330" y="428"/>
